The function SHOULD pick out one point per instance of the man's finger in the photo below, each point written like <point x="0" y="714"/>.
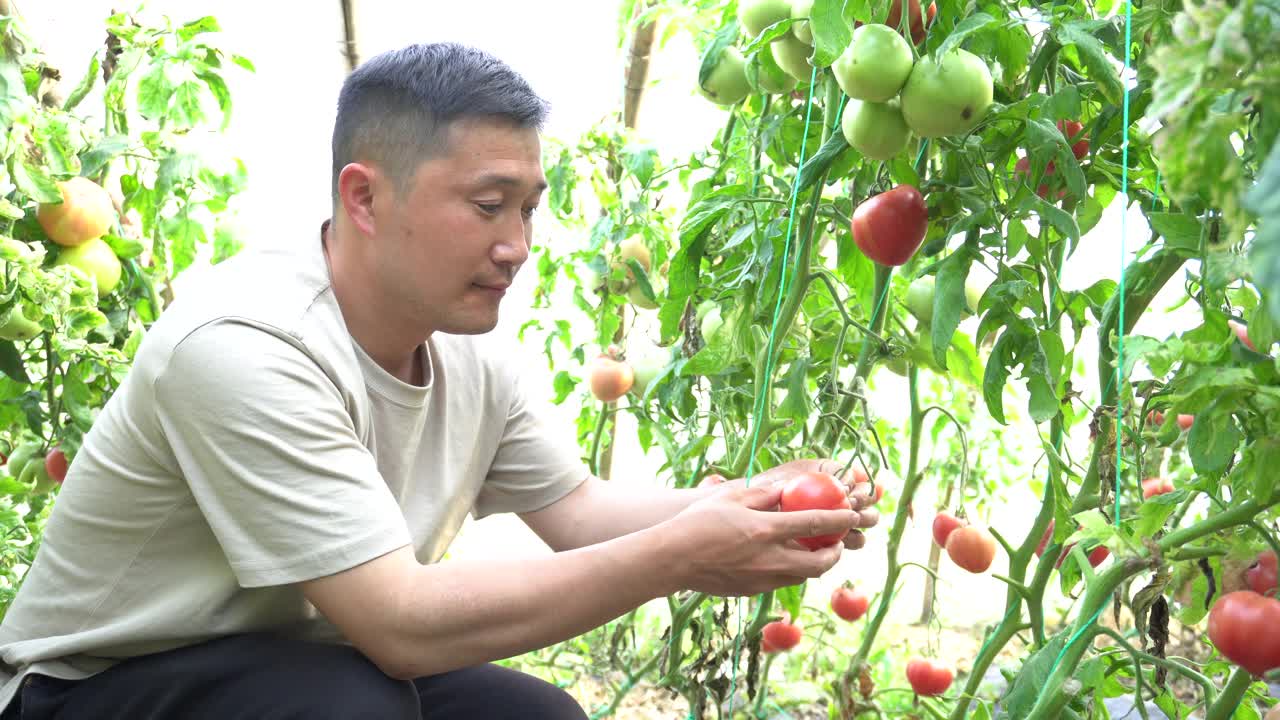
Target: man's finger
<point x="808" y="523"/>
<point x="855" y="540"/>
<point x="868" y="518"/>
<point x="862" y="496"/>
<point x="764" y="496"/>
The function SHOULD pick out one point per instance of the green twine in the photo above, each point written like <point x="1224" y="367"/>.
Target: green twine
<point x="761" y="396"/>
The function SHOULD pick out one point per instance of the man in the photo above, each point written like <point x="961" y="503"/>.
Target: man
<point x="253" y="526"/>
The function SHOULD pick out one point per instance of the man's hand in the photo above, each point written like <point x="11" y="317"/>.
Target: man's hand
<point x="861" y="497"/>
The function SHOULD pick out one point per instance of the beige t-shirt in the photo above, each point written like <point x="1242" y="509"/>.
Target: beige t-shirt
<point x="254" y="445"/>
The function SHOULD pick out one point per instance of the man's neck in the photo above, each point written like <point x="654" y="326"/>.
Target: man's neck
<point x="368" y="324"/>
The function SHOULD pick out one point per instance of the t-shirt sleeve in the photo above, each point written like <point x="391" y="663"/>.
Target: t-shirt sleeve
<point x="263" y="436"/>
<point x="536" y="462"/>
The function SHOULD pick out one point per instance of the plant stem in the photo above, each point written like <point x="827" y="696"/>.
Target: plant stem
<point x="895" y="536"/>
<point x="1225" y="706"/>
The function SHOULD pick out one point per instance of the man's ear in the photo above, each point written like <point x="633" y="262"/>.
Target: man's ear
<point x="356" y="184"/>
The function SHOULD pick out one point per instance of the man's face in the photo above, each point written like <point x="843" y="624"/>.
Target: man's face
<point x="457" y="235"/>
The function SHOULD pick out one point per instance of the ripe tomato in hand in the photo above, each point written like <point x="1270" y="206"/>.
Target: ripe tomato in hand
<point x="889" y="227"/>
<point x="1245" y="627"/>
<point x="1261" y="575"/>
<point x="943" y="525"/>
<point x="779" y="635"/>
<point x="972" y="548"/>
<point x="849" y="604"/>
<point x="815" y="491"/>
<point x="928" y="676"/>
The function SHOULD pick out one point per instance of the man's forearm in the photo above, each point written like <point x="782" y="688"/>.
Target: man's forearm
<point x="601" y="511"/>
<point x="456" y="614"/>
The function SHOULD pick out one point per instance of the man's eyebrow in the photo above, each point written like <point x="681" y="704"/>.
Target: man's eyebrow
<point x="507" y="180"/>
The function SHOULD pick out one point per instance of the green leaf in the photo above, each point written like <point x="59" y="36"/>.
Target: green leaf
<point x="1212" y="442"/>
<point x="10" y="211"/>
<point x="790" y="598"/>
<point x="85" y="86"/>
<point x="11" y="363"/>
<point x="639" y="161"/>
<point x="797" y="405"/>
<point x="1263" y="199"/>
<point x="226" y="243"/>
<point x="1179" y="230"/>
<point x="101" y="153"/>
<point x="206" y="24"/>
<point x="218" y="87"/>
<point x="724" y="38"/>
<point x="154" y="91"/>
<point x="818" y="164"/>
<point x="187" y="112"/>
<point x="832" y="23"/>
<point x="183" y="234"/>
<point x="34" y="182"/>
<point x="967" y="27"/>
<point x="1003" y="356"/>
<point x="243" y="62"/>
<point x="1031" y="679"/>
<point x="1094" y="56"/>
<point x="564" y="383"/>
<point x="949" y="298"/>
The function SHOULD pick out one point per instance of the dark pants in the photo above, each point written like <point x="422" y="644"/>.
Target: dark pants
<point x="263" y="677"/>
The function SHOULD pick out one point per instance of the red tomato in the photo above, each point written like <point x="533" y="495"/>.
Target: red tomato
<point x="1154" y="486"/>
<point x="972" y="548"/>
<point x="55" y="463"/>
<point x="879" y="492"/>
<point x="1245" y="627"/>
<point x="1186" y="421"/>
<point x="917" y="24"/>
<point x="1242" y="333"/>
<point x="779" y="635"/>
<point x="943" y="525"/>
<point x="889" y="227"/>
<point x="1096" y="556"/>
<point x="1023" y="168"/>
<point x="928" y="676"/>
<point x="849" y="604"/>
<point x="1261" y="575"/>
<point x="1155" y="417"/>
<point x="815" y="491"/>
<point x="610" y="379"/>
<point x="1071" y="130"/>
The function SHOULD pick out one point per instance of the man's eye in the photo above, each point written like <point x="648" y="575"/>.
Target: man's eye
<point x="529" y="211"/>
<point x="490" y="209"/>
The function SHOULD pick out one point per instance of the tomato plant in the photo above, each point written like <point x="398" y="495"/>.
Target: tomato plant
<point x="974" y="252"/>
<point x="100" y="210"/>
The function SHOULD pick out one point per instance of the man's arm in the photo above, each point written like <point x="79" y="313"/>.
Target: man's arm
<point x="599" y="510"/>
<point x="414" y="620"/>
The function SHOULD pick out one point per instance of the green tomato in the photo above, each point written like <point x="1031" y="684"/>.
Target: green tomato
<point x="875" y="65"/>
<point x="876" y="130"/>
<point x="793" y="57"/>
<point x="711" y="325"/>
<point x="637" y="297"/>
<point x="727" y="83"/>
<point x="919" y="299"/>
<point x="802" y="30"/>
<point x="756" y="15"/>
<point x="16" y="326"/>
<point x="646" y="370"/>
<point x="97" y="260"/>
<point x="21" y="457"/>
<point x="36" y="476"/>
<point x="947" y="96"/>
